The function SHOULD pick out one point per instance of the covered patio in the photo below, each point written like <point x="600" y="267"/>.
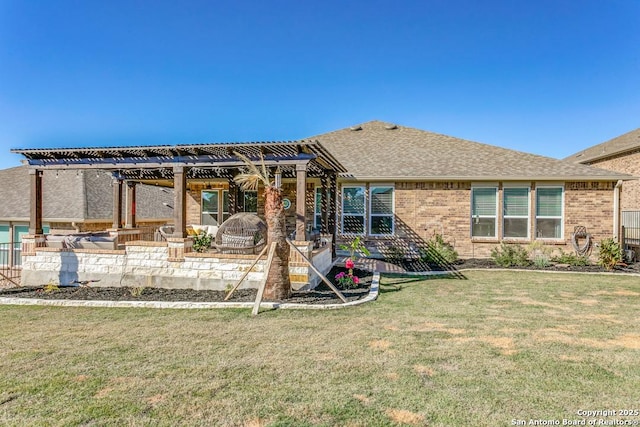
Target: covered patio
<point x="305" y="171"/>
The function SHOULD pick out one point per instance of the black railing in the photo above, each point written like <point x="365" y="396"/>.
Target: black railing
<point x="10" y="263"/>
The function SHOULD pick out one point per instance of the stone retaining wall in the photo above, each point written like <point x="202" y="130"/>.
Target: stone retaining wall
<point x="148" y="264"/>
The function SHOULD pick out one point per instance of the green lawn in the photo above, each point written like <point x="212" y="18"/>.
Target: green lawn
<point x="488" y="350"/>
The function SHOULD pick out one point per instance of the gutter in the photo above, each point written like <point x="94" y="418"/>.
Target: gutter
<point x="618" y="177"/>
<point x="616" y="211"/>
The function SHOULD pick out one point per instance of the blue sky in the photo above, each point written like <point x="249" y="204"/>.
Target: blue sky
<point x="546" y="77"/>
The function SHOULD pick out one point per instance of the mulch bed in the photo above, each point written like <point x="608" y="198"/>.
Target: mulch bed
<point x="322" y="294"/>
<point x="490" y="264"/>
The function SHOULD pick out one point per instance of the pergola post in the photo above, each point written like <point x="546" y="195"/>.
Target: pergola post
<point x="117" y="203"/>
<point x="35" y="218"/>
<point x="331" y="220"/>
<point x="301" y="201"/>
<point x="180" y="201"/>
<point x="130" y="218"/>
<point x="324" y="206"/>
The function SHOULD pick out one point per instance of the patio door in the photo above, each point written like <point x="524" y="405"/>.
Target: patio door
<point x="215" y="207"/>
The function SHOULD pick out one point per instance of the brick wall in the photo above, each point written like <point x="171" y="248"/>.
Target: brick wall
<point x="629" y="163"/>
<point x="425" y="208"/>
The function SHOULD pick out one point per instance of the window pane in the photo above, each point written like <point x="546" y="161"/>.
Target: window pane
<point x="549" y="202"/>
<point x="353" y="200"/>
<point x="225" y="201"/>
<point x="483" y="227"/>
<point x="210" y="202"/>
<point x="251" y="201"/>
<point x="483" y="201"/>
<point x="549" y="228"/>
<point x="353" y="224"/>
<point x="318" y="206"/>
<point x="318" y="221"/>
<point x="209" y="218"/>
<point x="515" y="227"/>
<point x="382" y="200"/>
<point x="5" y="236"/>
<point x="382" y="225"/>
<point x="516" y="201"/>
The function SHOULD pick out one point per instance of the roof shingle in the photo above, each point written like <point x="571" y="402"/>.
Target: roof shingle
<point x="378" y="150"/>
<point x="630" y="141"/>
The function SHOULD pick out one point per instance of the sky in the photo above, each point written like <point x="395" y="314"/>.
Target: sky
<point x="549" y="77"/>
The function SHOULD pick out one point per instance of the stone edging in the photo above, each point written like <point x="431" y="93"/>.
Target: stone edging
<point x="373" y="295"/>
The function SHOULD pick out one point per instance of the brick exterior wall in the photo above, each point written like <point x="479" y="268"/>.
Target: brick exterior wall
<point x="425" y="208"/>
<point x="627" y="163"/>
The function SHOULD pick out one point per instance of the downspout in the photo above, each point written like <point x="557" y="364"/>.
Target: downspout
<point x="616" y="211"/>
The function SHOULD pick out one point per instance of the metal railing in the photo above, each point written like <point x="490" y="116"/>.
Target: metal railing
<point x="10" y="264"/>
<point x="631" y="227"/>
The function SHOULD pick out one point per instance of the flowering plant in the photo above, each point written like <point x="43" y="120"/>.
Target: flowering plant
<point x="347" y="279"/>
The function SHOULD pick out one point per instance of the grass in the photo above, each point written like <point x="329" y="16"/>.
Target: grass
<point x="488" y="350"/>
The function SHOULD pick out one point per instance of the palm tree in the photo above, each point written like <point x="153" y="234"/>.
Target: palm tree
<point x="278" y="283"/>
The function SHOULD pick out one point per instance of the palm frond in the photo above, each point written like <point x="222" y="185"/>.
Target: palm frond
<point x="252" y="176"/>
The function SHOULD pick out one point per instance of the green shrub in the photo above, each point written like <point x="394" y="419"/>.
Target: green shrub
<point x="438" y="251"/>
<point x="571" y="259"/>
<point x="394" y="254"/>
<point x="510" y="255"/>
<point x="540" y="254"/>
<point x="610" y="254"/>
<point x="201" y="242"/>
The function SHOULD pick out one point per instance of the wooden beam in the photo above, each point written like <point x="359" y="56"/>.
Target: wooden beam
<point x="180" y="201"/>
<point x="35" y="216"/>
<point x="301" y="201"/>
<point x="117" y="203"/>
<point x="130" y="215"/>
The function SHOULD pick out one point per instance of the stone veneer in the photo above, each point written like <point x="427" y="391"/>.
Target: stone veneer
<point x="149" y="264"/>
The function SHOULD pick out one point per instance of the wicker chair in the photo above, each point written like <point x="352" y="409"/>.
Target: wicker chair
<point x="242" y="233"/>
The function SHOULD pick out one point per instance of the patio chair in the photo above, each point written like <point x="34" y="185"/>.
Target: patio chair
<point x="242" y="233"/>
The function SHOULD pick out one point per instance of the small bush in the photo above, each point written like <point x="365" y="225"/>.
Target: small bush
<point x="571" y="259"/>
<point x="610" y="254"/>
<point x="540" y="254"/>
<point x="201" y="242"/>
<point x="395" y="254"/>
<point x="438" y="251"/>
<point x="510" y="255"/>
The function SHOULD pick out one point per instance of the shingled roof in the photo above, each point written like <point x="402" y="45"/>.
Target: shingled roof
<point x="628" y="142"/>
<point x="383" y="151"/>
<point x="72" y="195"/>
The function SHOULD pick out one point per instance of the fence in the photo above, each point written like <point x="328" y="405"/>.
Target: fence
<point x="10" y="264"/>
<point x="631" y="228"/>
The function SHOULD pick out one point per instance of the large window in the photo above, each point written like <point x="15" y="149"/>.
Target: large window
<point x="353" y="210"/>
<point x="515" y="212"/>
<point x="381" y="211"/>
<point x="549" y="202"/>
<point x="484" y="209"/>
<point x="317" y="208"/>
<point x="214" y="212"/>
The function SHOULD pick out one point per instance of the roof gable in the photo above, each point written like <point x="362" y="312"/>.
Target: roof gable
<point x="379" y="150"/>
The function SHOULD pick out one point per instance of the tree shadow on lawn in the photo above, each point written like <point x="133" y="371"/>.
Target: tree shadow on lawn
<point x="403" y="279"/>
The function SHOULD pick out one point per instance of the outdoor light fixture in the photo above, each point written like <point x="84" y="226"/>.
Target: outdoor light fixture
<point x="278" y="176"/>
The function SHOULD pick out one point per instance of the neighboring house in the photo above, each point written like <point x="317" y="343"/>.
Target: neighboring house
<point x="73" y="201"/>
<point x="394" y="186"/>
<point x="620" y="154"/>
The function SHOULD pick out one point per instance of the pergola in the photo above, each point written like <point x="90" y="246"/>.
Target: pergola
<point x="174" y="165"/>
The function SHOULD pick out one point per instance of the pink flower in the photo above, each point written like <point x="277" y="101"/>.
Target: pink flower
<point x="349" y="264"/>
<point x="356" y="280"/>
<point x="340" y="275"/>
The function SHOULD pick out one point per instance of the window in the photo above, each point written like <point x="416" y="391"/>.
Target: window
<point x="515" y="212"/>
<point x="225" y="205"/>
<point x="250" y="201"/>
<point x="210" y="207"/>
<point x="353" y="210"/>
<point x="484" y="209"/>
<point x="549" y="212"/>
<point x="381" y="211"/>
<point x="317" y="209"/>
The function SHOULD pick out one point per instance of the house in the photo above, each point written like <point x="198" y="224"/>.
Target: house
<point x="393" y="186"/>
<point x="73" y="201"/>
<point x="620" y="154"/>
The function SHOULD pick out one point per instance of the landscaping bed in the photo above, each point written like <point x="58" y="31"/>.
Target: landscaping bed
<point x="322" y="294"/>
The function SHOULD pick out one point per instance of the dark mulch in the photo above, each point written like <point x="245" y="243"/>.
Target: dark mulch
<point x="489" y="263"/>
<point x="322" y="294"/>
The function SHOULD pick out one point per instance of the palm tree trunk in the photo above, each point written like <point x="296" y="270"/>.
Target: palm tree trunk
<point x="278" y="283"/>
